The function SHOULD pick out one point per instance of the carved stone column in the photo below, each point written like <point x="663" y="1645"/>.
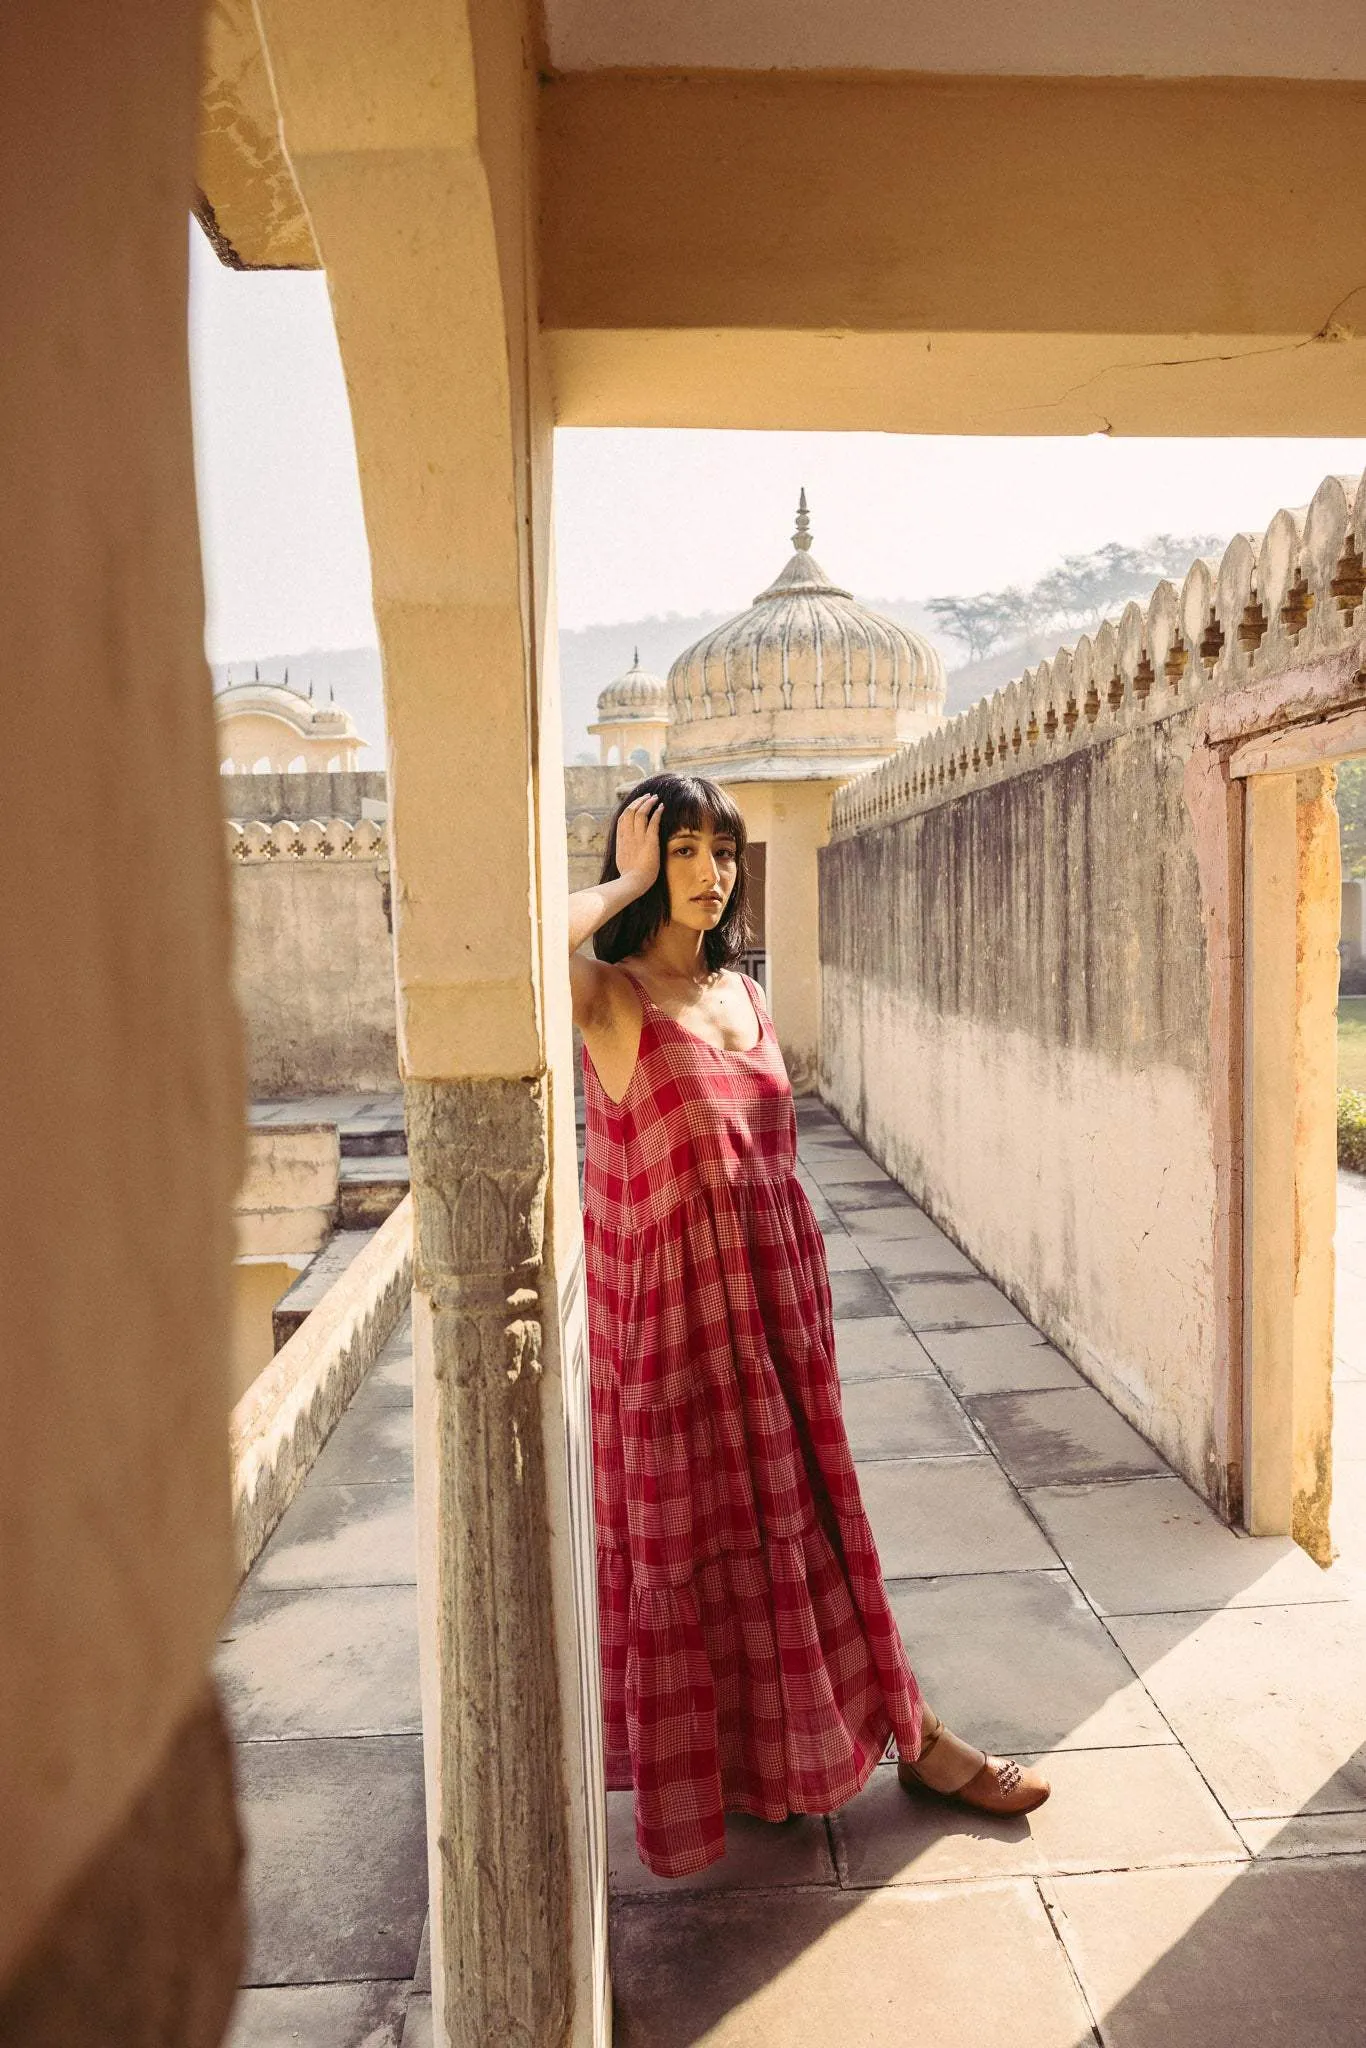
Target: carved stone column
<point x="479" y="1152"/>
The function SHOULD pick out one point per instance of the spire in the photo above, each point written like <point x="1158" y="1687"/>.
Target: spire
<point x="258" y="671"/>
<point x="286" y="675"/>
<point x="331" y="693"/>
<point x="635" y="659"/>
<point x="310" y="689"/>
<point x="801" y="539"/>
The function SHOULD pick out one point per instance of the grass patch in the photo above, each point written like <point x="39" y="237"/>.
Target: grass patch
<point x="1352" y="1129"/>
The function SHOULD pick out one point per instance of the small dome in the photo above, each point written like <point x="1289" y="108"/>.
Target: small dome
<point x="290" y="706"/>
<point x="637" y="694"/>
<point x="807" y="682"/>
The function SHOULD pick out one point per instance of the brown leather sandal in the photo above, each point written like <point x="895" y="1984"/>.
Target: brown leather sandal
<point x="1000" y="1786"/>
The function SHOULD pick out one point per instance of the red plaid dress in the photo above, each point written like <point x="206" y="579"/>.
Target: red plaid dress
<point x="750" y="1659"/>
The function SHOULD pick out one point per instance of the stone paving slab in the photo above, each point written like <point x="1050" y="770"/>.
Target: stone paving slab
<point x="878" y="1347"/>
<point x="1016" y="1661"/>
<point x="845" y="1165"/>
<point x="1221" y="1958"/>
<point x="1269" y="1701"/>
<point x="369" y="1445"/>
<point x="337" y="1858"/>
<point x="906" y="1417"/>
<point x="965" y="1302"/>
<point x="930" y="1256"/>
<point x="1011" y="1358"/>
<point x="934" y="1518"/>
<point x="951" y="1969"/>
<point x="824" y="1214"/>
<point x="332" y="1660"/>
<point x="1111" y="1809"/>
<point x="842" y="1255"/>
<point x="392" y="1391"/>
<point x="1063" y="1435"/>
<point x="319" y="2016"/>
<point x="419" y="2029"/>
<point x="758" y="1854"/>
<point x="343" y="1536"/>
<point x="1306" y="1834"/>
<point x="393" y="1369"/>
<point x="858" y="1294"/>
<point x="874" y="1214"/>
<point x="1152" y="1546"/>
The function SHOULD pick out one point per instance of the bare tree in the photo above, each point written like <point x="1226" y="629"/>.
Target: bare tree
<point x="1075" y="595"/>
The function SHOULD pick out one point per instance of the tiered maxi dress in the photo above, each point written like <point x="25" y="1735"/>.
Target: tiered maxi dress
<point x="751" y="1662"/>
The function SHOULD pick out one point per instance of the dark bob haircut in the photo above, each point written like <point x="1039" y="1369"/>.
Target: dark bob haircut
<point x="689" y="802"/>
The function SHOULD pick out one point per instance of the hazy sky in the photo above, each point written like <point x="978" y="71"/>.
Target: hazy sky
<point x="653" y="522"/>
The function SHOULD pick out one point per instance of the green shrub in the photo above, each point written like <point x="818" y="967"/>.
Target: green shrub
<point x="1352" y="1129"/>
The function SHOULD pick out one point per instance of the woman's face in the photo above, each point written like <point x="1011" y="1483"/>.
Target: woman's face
<point x="701" y="866"/>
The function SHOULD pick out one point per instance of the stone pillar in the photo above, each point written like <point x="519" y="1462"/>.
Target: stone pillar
<point x="793" y="819"/>
<point x="1317" y="912"/>
<point x="1292" y="911"/>
<point x="417" y="166"/>
<point x="119" y="1917"/>
<point x="1269" y="1184"/>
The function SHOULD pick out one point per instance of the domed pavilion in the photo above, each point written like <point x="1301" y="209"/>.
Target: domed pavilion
<point x="783" y="704"/>
<point x="808" y="683"/>
<point x="270" y="728"/>
<point x="633" y="718"/>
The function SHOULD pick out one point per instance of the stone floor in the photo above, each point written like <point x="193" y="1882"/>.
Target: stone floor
<point x="318" y="1666"/>
<point x="1198" y="1879"/>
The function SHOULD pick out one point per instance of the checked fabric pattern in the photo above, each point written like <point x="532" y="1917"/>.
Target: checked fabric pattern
<point x="751" y="1662"/>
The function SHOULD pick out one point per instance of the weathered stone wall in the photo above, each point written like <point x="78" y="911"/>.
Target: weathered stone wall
<point x="590" y="797"/>
<point x="338" y="793"/>
<point x="313" y="958"/>
<point x="1042" y="957"/>
<point x="1021" y="1035"/>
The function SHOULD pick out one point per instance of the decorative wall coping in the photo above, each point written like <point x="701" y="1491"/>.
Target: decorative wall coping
<point x="312" y="840"/>
<point x="287" y="1414"/>
<point x="1275" y="601"/>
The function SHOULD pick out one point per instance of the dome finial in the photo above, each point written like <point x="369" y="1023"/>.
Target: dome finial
<point x="801" y="539"/>
<point x="635" y="659"/>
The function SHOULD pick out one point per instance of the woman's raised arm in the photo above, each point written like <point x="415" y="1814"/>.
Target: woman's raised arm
<point x="637" y="860"/>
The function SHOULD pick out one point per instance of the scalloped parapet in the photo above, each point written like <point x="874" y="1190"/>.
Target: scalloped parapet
<point x="311" y="840"/>
<point x="1274" y="601"/>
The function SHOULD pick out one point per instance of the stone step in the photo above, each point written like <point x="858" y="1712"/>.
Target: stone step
<point x="369" y="1190"/>
<point x="325" y="1268"/>
<point x="368" y="1139"/>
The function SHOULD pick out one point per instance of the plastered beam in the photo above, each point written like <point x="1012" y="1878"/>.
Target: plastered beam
<point x="411" y="139"/>
<point x="950" y="255"/>
<point x="247" y="201"/>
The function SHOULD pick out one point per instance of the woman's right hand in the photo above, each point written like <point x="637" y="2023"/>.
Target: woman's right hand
<point x="637" y="847"/>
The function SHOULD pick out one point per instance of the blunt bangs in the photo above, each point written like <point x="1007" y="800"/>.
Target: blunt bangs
<point x="689" y="802"/>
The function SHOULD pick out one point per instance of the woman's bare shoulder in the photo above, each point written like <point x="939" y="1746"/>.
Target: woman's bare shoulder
<point x="756" y="987"/>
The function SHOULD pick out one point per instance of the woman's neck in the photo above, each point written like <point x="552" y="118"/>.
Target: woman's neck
<point x="677" y="954"/>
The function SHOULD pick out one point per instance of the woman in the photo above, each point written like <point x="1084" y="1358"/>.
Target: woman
<point x="751" y="1662"/>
